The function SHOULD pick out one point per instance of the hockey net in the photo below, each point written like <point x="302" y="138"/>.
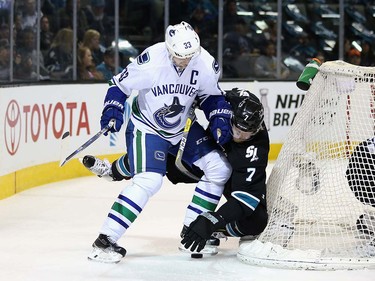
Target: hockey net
<point x="321" y="191"/>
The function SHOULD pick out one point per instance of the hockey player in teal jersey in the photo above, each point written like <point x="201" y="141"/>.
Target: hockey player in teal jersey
<point x="245" y="211"/>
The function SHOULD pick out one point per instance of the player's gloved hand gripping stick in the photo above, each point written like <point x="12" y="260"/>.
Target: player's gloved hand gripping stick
<point x="113" y="110"/>
<point x="219" y="123"/>
<point x="218" y="113"/>
<point x="89" y="142"/>
<point x="110" y="121"/>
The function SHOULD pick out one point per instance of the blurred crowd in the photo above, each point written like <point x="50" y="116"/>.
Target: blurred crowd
<point x="43" y="43"/>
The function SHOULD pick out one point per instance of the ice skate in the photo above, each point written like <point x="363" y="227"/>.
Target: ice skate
<point x="247" y="238"/>
<point x="101" y="168"/>
<point x="105" y="250"/>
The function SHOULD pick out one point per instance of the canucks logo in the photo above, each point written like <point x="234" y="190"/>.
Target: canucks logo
<point x="143" y="58"/>
<point x="165" y="115"/>
<point x="215" y="66"/>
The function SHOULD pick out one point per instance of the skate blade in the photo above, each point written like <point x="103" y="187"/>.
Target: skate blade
<point x="99" y="255"/>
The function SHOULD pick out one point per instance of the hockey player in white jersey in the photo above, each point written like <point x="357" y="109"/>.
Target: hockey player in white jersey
<point x="169" y="77"/>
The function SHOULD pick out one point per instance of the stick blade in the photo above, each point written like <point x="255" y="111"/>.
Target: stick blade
<point x="65" y="135"/>
<point x="64" y="148"/>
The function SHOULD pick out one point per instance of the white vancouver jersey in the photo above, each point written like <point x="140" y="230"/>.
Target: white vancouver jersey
<point x="165" y="95"/>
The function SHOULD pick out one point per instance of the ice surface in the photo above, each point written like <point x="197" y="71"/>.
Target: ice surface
<point x="47" y="232"/>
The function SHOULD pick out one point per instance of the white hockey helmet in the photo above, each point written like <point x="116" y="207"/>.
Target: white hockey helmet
<point x="182" y="41"/>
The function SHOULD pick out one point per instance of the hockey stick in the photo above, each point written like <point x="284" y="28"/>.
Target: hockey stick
<point x="181" y="148"/>
<point x="86" y="144"/>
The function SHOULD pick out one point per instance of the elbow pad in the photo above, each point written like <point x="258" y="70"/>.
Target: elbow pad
<point x="247" y="199"/>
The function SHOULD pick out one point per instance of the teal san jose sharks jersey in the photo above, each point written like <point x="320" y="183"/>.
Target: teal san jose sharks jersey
<point x="166" y="94"/>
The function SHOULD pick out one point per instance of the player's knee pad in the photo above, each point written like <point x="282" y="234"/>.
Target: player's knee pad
<point x="249" y="225"/>
<point x="215" y="166"/>
<point x="150" y="182"/>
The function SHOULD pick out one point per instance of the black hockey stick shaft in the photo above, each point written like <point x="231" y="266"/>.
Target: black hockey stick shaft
<point x="181" y="148"/>
<point x="89" y="142"/>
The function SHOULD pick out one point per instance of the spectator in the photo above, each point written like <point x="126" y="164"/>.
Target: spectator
<point x="335" y="51"/>
<point x="4" y="31"/>
<point x="266" y="64"/>
<point x="367" y="54"/>
<point x="239" y="52"/>
<point x="107" y="67"/>
<point x="205" y="27"/>
<point x="86" y="66"/>
<point x="179" y="11"/>
<point x="4" y="59"/>
<point x="26" y="47"/>
<point x="59" y="59"/>
<point x="321" y="56"/>
<point x="230" y="15"/>
<point x="25" y="70"/>
<point x="95" y="15"/>
<point x="269" y="34"/>
<point x="207" y="6"/>
<point x="354" y="56"/>
<point x="58" y="4"/>
<point x="16" y="60"/>
<point x="30" y="15"/>
<point x="149" y="16"/>
<point x="5" y="10"/>
<point x="48" y="8"/>
<point x="202" y="23"/>
<point x="46" y="36"/>
<point x="18" y="23"/>
<point x="91" y="40"/>
<point x="64" y="19"/>
<point x="236" y="41"/>
<point x="304" y="49"/>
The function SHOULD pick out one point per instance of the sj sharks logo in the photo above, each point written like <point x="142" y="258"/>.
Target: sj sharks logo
<point x="164" y="115"/>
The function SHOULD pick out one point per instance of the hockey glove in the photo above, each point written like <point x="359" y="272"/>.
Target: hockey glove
<point x="113" y="109"/>
<point x="200" y="230"/>
<point x="220" y="122"/>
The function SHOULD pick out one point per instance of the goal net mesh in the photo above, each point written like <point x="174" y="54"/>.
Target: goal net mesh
<point x="321" y="191"/>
